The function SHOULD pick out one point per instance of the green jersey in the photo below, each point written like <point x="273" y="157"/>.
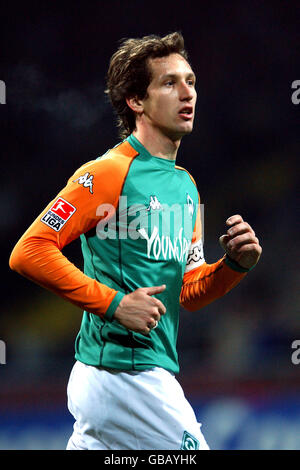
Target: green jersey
<point x="145" y="243"/>
<point x="138" y="217"/>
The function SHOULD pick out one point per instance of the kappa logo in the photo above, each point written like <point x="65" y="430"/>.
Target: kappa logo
<point x="189" y="442"/>
<point x="154" y="204"/>
<point x="195" y="253"/>
<point x="86" y="180"/>
<point x="195" y="256"/>
<point x="58" y="214"/>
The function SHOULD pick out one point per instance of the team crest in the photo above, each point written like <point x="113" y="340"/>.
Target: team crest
<point x="189" y="442"/>
<point x="191" y="205"/>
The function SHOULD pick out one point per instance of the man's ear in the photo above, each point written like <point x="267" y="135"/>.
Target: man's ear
<point x="135" y="104"/>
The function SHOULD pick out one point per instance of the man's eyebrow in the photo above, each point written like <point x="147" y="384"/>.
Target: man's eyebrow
<point x="175" y="75"/>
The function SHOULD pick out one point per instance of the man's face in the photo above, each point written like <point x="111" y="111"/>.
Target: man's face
<point x="171" y="96"/>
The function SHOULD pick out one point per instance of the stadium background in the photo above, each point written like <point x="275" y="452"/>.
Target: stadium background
<point x="235" y="355"/>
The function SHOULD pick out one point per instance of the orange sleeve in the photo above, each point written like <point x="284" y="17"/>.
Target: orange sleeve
<point x="203" y="283"/>
<point x="37" y="255"/>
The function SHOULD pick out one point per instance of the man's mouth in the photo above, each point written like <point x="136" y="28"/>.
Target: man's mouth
<point x="186" y="112"/>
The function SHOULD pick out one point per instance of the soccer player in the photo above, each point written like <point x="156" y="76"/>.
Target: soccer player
<point x="138" y="217"/>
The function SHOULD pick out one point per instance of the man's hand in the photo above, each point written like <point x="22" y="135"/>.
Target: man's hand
<point x="139" y="311"/>
<point x="240" y="242"/>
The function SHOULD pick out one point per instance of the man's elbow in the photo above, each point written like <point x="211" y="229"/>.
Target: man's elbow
<point x="18" y="260"/>
<point x="189" y="306"/>
<point x="195" y="304"/>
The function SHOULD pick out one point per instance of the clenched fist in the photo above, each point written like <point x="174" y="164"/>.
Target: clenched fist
<point x="139" y="311"/>
<point x="240" y="242"/>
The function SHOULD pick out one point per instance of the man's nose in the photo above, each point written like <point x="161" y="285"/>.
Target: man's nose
<point x="187" y="92"/>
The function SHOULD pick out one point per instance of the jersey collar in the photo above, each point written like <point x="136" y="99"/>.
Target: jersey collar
<point x="163" y="163"/>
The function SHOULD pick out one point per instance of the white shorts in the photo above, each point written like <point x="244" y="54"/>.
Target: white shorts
<point x="128" y="410"/>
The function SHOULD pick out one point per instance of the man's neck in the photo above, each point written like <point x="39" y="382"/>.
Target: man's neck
<point x="157" y="143"/>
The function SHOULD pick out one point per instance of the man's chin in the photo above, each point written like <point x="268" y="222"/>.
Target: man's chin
<point x="184" y="131"/>
<point x="177" y="133"/>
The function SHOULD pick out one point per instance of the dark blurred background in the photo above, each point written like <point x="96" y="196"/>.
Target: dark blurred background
<point x="236" y="354"/>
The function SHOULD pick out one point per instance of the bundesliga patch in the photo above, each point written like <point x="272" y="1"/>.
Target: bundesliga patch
<point x="189" y="442"/>
<point x="58" y="214"/>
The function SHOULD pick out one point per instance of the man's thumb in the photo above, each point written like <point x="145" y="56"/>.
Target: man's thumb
<point x="155" y="289"/>
<point x="223" y="240"/>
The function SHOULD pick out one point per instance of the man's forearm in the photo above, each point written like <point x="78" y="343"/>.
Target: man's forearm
<point x="209" y="282"/>
<point x="41" y="261"/>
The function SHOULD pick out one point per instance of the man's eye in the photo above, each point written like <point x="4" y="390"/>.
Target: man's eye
<point x="169" y="83"/>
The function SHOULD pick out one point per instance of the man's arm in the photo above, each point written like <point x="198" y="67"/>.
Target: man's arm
<point x="38" y="256"/>
<point x="203" y="283"/>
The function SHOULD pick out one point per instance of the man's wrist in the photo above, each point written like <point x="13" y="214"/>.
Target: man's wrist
<point x="236" y="266"/>
<point x="109" y="315"/>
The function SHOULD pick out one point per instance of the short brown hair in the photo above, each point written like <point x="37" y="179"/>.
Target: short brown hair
<point x="129" y="74"/>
